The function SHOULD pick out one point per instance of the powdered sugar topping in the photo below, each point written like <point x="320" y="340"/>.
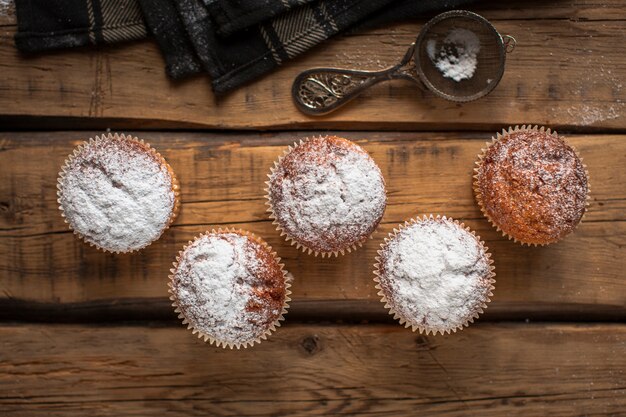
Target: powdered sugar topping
<point x="117" y="194"/>
<point x="435" y="275"/>
<point x="226" y="290"/>
<point x="456" y="58"/>
<point x="327" y="194"/>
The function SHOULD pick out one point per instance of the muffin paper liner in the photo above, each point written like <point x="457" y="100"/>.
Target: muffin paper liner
<point x="478" y="163"/>
<point x="288" y="278"/>
<point x="416" y="326"/>
<point x="292" y="241"/>
<point x="144" y="145"/>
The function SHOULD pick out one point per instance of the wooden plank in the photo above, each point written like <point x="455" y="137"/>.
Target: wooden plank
<point x="487" y="370"/>
<point x="567" y="71"/>
<point x="222" y="179"/>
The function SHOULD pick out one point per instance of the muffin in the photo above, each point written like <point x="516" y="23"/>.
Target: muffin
<point x="531" y="185"/>
<point x="326" y="194"/>
<point x="229" y="288"/>
<point x="117" y="193"/>
<point x="434" y="275"/>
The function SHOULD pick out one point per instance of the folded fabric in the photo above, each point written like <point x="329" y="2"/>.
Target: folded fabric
<point x="257" y="50"/>
<point x="54" y="24"/>
<point x="164" y="23"/>
<point x="408" y="9"/>
<point x="252" y="52"/>
<point x="235" y="41"/>
<point x="231" y="16"/>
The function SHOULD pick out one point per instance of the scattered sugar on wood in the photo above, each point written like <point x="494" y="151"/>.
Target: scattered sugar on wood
<point x="595" y="109"/>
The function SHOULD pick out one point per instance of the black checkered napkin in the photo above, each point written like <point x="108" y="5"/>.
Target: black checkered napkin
<point x="54" y="24"/>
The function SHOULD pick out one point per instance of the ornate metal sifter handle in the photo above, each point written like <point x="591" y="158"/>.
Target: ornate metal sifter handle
<point x="321" y="90"/>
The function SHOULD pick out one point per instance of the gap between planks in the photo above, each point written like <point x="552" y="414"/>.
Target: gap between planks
<point x="301" y="311"/>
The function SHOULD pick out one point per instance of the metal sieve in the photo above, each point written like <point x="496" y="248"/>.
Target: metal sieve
<point x="321" y="90"/>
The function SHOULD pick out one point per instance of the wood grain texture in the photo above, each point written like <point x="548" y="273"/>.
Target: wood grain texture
<point x="487" y="370"/>
<point x="222" y="179"/>
<point x="567" y="71"/>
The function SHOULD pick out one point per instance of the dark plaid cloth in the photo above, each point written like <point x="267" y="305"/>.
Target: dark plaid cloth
<point x="180" y="58"/>
<point x="54" y="24"/>
<point x="408" y="9"/>
<point x="231" y="16"/>
<point x="258" y="49"/>
<point x="235" y="41"/>
<point x="250" y="53"/>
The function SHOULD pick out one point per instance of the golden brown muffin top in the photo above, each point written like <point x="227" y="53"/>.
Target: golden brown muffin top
<point x="532" y="185"/>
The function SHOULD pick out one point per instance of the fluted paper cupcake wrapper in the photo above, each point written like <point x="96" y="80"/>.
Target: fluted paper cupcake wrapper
<point x="208" y="338"/>
<point x="147" y="147"/>
<point x="293" y="241"/>
<point x="406" y="322"/>
<point x="478" y="195"/>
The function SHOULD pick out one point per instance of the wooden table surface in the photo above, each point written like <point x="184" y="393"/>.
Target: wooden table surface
<point x="86" y="333"/>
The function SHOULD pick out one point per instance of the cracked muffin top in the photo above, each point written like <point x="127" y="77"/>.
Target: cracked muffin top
<point x="117" y="193"/>
<point x="326" y="194"/>
<point x="230" y="287"/>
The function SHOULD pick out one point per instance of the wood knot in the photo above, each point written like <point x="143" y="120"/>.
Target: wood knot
<point x="311" y="344"/>
<point x="423" y="343"/>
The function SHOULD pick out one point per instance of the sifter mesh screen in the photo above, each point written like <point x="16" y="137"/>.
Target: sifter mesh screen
<point x="490" y="58"/>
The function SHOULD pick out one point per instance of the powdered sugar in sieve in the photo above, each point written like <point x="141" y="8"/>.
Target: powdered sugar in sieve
<point x="456" y="57"/>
